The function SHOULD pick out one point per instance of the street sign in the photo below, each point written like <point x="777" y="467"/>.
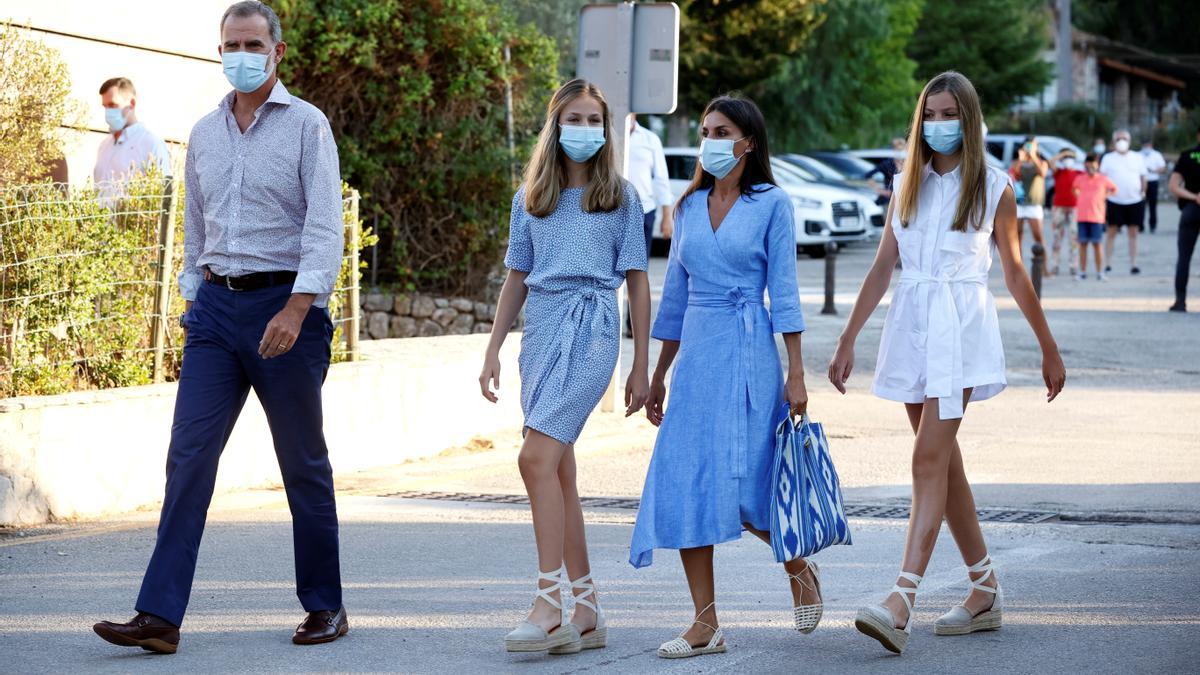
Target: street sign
<point x="631" y="51"/>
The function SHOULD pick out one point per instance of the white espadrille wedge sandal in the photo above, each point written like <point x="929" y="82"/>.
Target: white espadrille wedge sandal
<point x="680" y="648"/>
<point x="529" y="637"/>
<point x="807" y="617"/>
<point x="960" y="620"/>
<point x="594" y="638"/>
<point x="877" y="621"/>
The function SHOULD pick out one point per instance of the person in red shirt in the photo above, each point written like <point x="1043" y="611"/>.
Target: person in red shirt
<point x="1062" y="213"/>
<point x="1091" y="190"/>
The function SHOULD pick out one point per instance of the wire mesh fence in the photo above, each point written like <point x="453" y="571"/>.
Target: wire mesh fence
<point x="88" y="293"/>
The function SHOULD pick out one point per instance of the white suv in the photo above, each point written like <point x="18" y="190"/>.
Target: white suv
<point x="823" y="213"/>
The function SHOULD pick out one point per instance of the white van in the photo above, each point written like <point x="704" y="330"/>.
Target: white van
<point x="823" y="213"/>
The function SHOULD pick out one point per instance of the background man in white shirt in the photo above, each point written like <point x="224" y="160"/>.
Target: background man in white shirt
<point x="130" y="149"/>
<point x="648" y="173"/>
<point x="1156" y="166"/>
<point x="1127" y="207"/>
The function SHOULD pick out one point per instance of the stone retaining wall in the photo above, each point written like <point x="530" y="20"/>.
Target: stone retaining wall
<point x="412" y="315"/>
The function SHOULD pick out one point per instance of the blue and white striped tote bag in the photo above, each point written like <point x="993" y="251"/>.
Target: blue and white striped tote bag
<point x="807" y="512"/>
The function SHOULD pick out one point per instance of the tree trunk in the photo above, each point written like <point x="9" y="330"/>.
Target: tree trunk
<point x="677" y="128"/>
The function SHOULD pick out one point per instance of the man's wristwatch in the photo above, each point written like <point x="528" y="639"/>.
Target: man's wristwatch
<point x="183" y="320"/>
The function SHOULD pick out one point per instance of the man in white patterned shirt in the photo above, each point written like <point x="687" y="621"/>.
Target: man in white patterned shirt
<point x="262" y="250"/>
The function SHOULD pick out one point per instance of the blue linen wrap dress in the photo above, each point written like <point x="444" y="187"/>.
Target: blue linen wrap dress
<point x="576" y="260"/>
<point x="711" y="468"/>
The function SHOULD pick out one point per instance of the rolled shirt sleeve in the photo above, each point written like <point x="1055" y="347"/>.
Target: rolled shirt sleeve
<point x="191" y="276"/>
<point x="322" y="240"/>
<point x="782" y="287"/>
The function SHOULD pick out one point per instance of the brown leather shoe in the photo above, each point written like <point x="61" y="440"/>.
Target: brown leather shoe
<point x="324" y="626"/>
<point x="144" y="630"/>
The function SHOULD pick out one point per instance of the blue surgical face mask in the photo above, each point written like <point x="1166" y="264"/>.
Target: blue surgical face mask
<point x="943" y="137"/>
<point x="716" y="156"/>
<point x="246" y="71"/>
<point x="580" y="143"/>
<point x="115" y="118"/>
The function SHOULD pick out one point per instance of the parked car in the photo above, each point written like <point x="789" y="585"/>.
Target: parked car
<point x="825" y="173"/>
<point x="845" y="163"/>
<point x="1004" y="148"/>
<point x="822" y="213"/>
<point x="816" y="171"/>
<point x="877" y="155"/>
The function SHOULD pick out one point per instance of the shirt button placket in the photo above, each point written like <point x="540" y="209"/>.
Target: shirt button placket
<point x="239" y="169"/>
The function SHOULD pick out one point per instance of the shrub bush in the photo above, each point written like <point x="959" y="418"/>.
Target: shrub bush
<point x="414" y="92"/>
<point x="78" y="283"/>
<point x="35" y="104"/>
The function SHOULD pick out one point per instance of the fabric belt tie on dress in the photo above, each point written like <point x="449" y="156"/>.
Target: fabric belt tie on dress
<point x="943" y="346"/>
<point x="745" y="307"/>
<point x="584" y="319"/>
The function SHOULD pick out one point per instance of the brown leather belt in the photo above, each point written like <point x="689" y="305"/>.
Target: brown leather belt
<point x="251" y="282"/>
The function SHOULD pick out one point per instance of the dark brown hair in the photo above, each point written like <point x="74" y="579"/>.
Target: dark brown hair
<point x="121" y="83"/>
<point x="746" y="116"/>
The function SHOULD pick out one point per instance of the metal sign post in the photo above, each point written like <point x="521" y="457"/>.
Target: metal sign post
<point x="631" y="52"/>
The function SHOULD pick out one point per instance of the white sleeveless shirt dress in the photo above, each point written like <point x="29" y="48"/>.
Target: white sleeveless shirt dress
<point x="942" y="335"/>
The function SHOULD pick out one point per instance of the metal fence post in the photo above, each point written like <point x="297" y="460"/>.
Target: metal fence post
<point x="355" y="311"/>
<point x="166" y="250"/>
<point x="831" y="250"/>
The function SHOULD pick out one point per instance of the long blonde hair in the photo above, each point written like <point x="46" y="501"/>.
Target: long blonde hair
<point x="973" y="167"/>
<point x="546" y="174"/>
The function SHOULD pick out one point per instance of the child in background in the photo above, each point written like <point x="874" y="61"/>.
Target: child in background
<point x="1062" y="213"/>
<point x="1091" y="190"/>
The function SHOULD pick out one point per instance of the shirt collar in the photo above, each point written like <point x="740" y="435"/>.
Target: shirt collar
<point x="956" y="174"/>
<point x="279" y="94"/>
<point x="127" y="133"/>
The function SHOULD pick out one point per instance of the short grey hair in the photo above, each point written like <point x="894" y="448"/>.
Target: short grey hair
<point x="1122" y="132"/>
<point x="252" y="7"/>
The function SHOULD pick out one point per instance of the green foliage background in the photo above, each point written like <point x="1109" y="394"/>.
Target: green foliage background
<point x="998" y="44"/>
<point x="414" y="92"/>
<point x="78" y="282"/>
<point x="850" y="84"/>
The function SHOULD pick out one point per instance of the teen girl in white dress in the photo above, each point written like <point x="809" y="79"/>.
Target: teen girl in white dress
<point x="941" y="345"/>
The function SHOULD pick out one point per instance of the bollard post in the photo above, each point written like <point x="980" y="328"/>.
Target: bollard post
<point x="831" y="249"/>
<point x="1039" y="259"/>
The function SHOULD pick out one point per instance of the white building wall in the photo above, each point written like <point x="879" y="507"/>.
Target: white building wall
<point x="167" y="47"/>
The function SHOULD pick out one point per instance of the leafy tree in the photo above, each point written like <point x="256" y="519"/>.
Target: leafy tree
<point x="850" y="84"/>
<point x="729" y="45"/>
<point x="35" y="104"/>
<point x="414" y="92"/>
<point x="558" y="19"/>
<point x="998" y="44"/>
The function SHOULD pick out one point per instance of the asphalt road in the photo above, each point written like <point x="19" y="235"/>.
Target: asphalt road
<point x="1105" y="584"/>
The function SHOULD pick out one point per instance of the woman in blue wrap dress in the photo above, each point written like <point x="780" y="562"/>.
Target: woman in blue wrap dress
<point x="575" y="235"/>
<point x="711" y="471"/>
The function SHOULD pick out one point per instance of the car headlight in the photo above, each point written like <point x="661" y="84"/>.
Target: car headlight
<point x="805" y="203"/>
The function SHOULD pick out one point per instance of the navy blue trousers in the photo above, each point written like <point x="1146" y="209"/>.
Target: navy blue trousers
<point x="220" y="366"/>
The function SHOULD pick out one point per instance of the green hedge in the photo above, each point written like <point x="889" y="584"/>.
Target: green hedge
<point x="78" y="282"/>
<point x="414" y="92"/>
